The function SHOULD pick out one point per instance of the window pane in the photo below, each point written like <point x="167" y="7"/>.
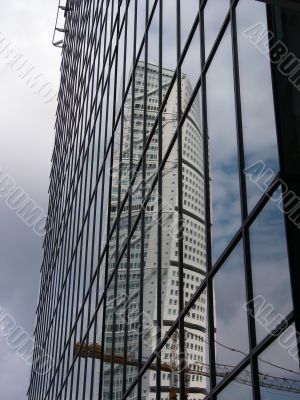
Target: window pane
<point x="240" y="388"/>
<point x="256" y="95"/>
<point x="214" y="15"/>
<point x="270" y="268"/>
<point x="230" y="316"/>
<point x="225" y="199"/>
<point x="279" y="368"/>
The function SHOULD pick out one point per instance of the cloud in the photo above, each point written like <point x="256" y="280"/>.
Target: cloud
<point x="14" y="377"/>
<point x="27" y="135"/>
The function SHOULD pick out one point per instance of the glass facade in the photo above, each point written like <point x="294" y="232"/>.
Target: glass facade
<point x="171" y="260"/>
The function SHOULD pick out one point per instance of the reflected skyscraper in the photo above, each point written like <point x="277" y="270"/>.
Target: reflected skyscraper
<point x="125" y="302"/>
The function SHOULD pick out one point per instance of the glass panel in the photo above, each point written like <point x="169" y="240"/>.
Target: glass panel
<point x="196" y="355"/>
<point x="170" y="366"/>
<point x="131" y="302"/>
<point x="141" y="15"/>
<point x="114" y="334"/>
<point x="279" y="368"/>
<point x="256" y="97"/>
<point x="169" y="33"/>
<point x="240" y="388"/>
<point x="230" y="316"/>
<point x="191" y="69"/>
<point x="225" y="198"/>
<point x="271" y="279"/>
<point x="214" y="14"/>
<point x="149" y="281"/>
<point x="130" y="38"/>
<point x="187" y="18"/>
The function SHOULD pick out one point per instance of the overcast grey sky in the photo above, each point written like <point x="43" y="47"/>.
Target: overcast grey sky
<point x="27" y="133"/>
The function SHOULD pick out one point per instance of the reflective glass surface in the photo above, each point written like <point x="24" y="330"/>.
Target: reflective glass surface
<point x="169" y="272"/>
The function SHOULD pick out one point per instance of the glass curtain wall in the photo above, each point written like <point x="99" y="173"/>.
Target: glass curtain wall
<point x="170" y="260"/>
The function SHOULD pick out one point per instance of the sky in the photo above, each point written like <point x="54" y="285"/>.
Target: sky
<point x="27" y="135"/>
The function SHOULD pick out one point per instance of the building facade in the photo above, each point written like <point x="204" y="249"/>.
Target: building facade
<point x="170" y="266"/>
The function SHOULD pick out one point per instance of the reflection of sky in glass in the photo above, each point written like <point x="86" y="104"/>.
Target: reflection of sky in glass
<point x="269" y="261"/>
<point x="214" y="13"/>
<point x="192" y="63"/>
<point x="187" y="17"/>
<point x="230" y="317"/>
<point x="237" y="390"/>
<point x="256" y="96"/>
<point x="223" y="148"/>
<point x="169" y="33"/>
<point x="281" y="361"/>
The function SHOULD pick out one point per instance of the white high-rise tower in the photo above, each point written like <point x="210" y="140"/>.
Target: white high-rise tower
<point x="193" y="239"/>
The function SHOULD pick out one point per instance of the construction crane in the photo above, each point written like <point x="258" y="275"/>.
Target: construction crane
<point x="222" y="370"/>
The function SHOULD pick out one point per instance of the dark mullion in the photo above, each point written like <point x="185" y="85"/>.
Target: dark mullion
<point x="126" y="305"/>
<point x="54" y="291"/>
<point x="79" y="263"/>
<point x="88" y="135"/>
<point x="88" y="239"/>
<point x="159" y="206"/>
<point x="83" y="271"/>
<point x="117" y="231"/>
<point x="64" y="320"/>
<point x="81" y="246"/>
<point x="72" y="304"/>
<point x="207" y="202"/>
<point x="57" y="320"/>
<point x="142" y="236"/>
<point x="97" y="280"/>
<point x="83" y="263"/>
<point x="244" y="208"/>
<point x="180" y="233"/>
<point x="102" y="217"/>
<point x="46" y="349"/>
<point x="117" y="239"/>
<point x="100" y="240"/>
<point x="73" y="296"/>
<point x="67" y="301"/>
<point x="76" y="262"/>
